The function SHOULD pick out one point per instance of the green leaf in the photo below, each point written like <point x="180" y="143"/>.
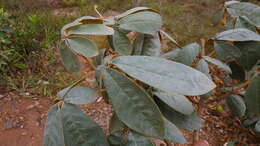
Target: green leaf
<point x="238" y="72"/>
<point x="230" y="24"/>
<point x="240" y="8"/>
<point x="252" y="97"/>
<point x="218" y="63"/>
<point x="83" y="46"/>
<point x="165" y="75"/>
<point x="71" y="127"/>
<point x="218" y="16"/>
<point x="172" y="133"/>
<point x="236" y="105"/>
<point x="257" y="126"/>
<point x="250" y="121"/>
<point x="244" y="22"/>
<point x="121" y="43"/>
<point x="171" y="54"/>
<point x="115" y="124"/>
<point x="118" y="138"/>
<point x="250" y="53"/>
<point x="203" y="67"/>
<point x="69" y="59"/>
<point x="53" y="133"/>
<point x="151" y="45"/>
<point x="239" y="34"/>
<point x="254" y="16"/>
<point x="91" y="29"/>
<point x="143" y="22"/>
<point x="189" y="122"/>
<point x="188" y="54"/>
<point x="79" y="129"/>
<point x="136" y="139"/>
<point x="132" y="11"/>
<point x="141" y="114"/>
<point x="78" y="95"/>
<point x="176" y="101"/>
<point x="226" y="51"/>
<point x="138" y="44"/>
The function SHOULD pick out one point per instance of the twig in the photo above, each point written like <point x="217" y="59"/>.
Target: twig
<point x="95" y="8"/>
<point x="170" y="38"/>
<point x="230" y="93"/>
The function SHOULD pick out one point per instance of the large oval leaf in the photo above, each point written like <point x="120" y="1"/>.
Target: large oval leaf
<point x="83" y="46"/>
<point x="91" y="29"/>
<point x="79" y="129"/>
<point x="69" y="59"/>
<point x="250" y="53"/>
<point x="218" y="16"/>
<point x="53" y="133"/>
<point x="239" y="34"/>
<point x="226" y="51"/>
<point x="165" y="75"/>
<point x="121" y="43"/>
<point x="141" y="114"/>
<point x="188" y="54"/>
<point x="252" y="98"/>
<point x="71" y="127"/>
<point x="78" y="95"/>
<point x="244" y="22"/>
<point x="254" y="16"/>
<point x="176" y="101"/>
<point x="136" y="139"/>
<point x="240" y="8"/>
<point x="189" y="122"/>
<point x="143" y="22"/>
<point x="218" y="63"/>
<point x="171" y="54"/>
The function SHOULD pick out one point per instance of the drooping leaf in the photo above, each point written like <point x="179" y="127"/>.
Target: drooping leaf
<point x="69" y="59"/>
<point x="250" y="53"/>
<point x="53" y="133"/>
<point x="121" y="43"/>
<point x="203" y="67"/>
<point x="189" y="122"/>
<point x="79" y="129"/>
<point x="226" y="51"/>
<point x="172" y="133"/>
<point x="188" y="54"/>
<point x="218" y="16"/>
<point x="89" y="20"/>
<point x="78" y="95"/>
<point x="83" y="46"/>
<point x="71" y="127"/>
<point x="236" y="105"/>
<point x="132" y="11"/>
<point x="136" y="139"/>
<point x="250" y="121"/>
<point x="176" y="101"/>
<point x="252" y="97"/>
<point x="141" y="114"/>
<point x="115" y="124"/>
<point x="151" y="45"/>
<point x="239" y="34"/>
<point x="244" y="22"/>
<point x="218" y="63"/>
<point x="138" y="44"/>
<point x="257" y="126"/>
<point x="143" y="22"/>
<point x="165" y="75"/>
<point x="91" y="29"/>
<point x="171" y="54"/>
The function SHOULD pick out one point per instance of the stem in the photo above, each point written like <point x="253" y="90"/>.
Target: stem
<point x="211" y="53"/>
<point x="95" y="8"/>
<point x="170" y="38"/>
<point x="73" y="85"/>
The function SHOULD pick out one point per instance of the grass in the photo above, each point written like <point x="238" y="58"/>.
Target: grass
<point x="186" y="21"/>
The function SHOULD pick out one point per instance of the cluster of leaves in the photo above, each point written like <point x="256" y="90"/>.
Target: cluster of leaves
<point x="239" y="46"/>
<point x="147" y="89"/>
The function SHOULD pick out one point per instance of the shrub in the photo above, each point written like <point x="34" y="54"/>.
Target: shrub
<point x="147" y="89"/>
